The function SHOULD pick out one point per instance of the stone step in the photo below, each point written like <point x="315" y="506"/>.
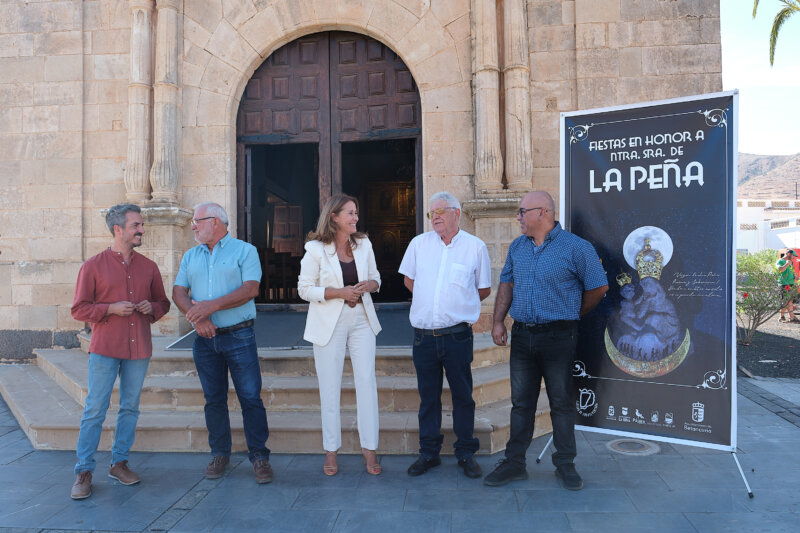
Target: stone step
<point x="300" y="362"/>
<point x="69" y="369"/>
<point x="50" y="417"/>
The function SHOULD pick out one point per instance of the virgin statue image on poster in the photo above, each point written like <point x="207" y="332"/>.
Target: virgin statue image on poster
<point x="644" y="337"/>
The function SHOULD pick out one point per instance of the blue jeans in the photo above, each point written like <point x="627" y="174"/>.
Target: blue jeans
<point x="548" y="354"/>
<point x="453" y="353"/>
<point x="214" y="357"/>
<point x="103" y="372"/>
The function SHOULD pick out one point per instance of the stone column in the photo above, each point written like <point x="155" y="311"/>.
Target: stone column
<point x="496" y="225"/>
<point x="486" y="83"/>
<point x="137" y="184"/>
<point x="165" y="242"/>
<point x="516" y="76"/>
<point x="164" y="173"/>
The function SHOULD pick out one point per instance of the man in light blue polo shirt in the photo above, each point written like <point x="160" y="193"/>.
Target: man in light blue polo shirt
<point x="215" y="287"/>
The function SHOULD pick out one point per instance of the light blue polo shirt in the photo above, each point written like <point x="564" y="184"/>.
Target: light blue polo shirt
<point x="209" y="275"/>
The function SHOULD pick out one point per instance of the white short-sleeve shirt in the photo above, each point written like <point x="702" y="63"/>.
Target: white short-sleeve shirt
<point x="446" y="279"/>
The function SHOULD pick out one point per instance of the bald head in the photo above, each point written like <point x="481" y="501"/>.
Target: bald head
<point x="541" y="198"/>
<point x="537" y="218"/>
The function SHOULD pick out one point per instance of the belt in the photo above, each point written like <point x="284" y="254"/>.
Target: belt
<point x="547" y="326"/>
<point x="438" y="332"/>
<point x="235" y="327"/>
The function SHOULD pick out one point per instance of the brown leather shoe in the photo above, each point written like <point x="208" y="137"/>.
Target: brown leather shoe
<point x="123" y="474"/>
<point x="262" y="470"/>
<point x="82" y="488"/>
<point x="216" y="468"/>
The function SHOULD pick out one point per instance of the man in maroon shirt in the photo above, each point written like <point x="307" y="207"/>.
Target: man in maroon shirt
<point x="121" y="293"/>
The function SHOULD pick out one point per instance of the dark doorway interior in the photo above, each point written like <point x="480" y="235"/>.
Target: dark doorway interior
<point x="284" y="207"/>
<point x="381" y="174"/>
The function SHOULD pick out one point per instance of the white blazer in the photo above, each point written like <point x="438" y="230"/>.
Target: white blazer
<point x="319" y="269"/>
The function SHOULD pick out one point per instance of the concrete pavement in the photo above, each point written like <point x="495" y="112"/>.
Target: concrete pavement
<point x="680" y="488"/>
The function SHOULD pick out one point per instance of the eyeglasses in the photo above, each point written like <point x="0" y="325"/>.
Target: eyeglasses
<point x="196" y="220"/>
<point x="521" y="211"/>
<point x="438" y="211"/>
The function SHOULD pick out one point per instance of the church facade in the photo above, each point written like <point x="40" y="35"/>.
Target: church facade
<point x="269" y="106"/>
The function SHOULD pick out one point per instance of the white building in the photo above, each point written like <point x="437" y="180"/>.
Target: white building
<point x="767" y="223"/>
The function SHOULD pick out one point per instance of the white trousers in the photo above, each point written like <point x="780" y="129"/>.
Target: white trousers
<point x="352" y="332"/>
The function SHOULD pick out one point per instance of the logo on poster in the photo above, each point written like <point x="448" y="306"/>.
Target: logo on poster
<point x="698" y="412"/>
<point x="586" y="404"/>
<point x="610" y="410"/>
<point x="668" y="418"/>
<point x="654" y="417"/>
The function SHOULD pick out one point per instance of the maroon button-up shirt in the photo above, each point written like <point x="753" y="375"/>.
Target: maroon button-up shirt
<point x="106" y="279"/>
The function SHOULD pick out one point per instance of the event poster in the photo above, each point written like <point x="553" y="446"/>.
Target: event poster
<point x="652" y="187"/>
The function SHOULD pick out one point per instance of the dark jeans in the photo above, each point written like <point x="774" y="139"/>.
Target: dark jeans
<point x="453" y="354"/>
<point x="234" y="351"/>
<point x="548" y="354"/>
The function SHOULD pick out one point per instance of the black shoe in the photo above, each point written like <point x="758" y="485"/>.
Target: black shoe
<point x="471" y="467"/>
<point x="569" y="477"/>
<point x="504" y="472"/>
<point x="422" y="465"/>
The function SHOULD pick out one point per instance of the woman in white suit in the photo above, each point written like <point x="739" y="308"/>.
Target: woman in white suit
<point x="337" y="275"/>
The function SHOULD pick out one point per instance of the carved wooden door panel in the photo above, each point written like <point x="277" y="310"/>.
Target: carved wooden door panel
<point x="288" y="235"/>
<point x="373" y="95"/>
<point x="287" y="101"/>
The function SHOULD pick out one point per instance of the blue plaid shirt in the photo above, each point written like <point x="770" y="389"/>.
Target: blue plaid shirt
<point x="549" y="280"/>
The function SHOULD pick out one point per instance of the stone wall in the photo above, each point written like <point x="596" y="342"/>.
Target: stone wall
<point x="66" y="76"/>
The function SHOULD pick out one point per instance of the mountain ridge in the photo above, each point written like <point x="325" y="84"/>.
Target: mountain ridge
<point x="768" y="176"/>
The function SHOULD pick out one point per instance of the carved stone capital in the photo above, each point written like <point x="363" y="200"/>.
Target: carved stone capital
<point x="167" y="216"/>
<point x="141" y="4"/>
<point x="491" y="207"/>
<point x="169" y="4"/>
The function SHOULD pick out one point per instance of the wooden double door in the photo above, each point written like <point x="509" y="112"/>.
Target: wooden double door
<point x="327" y="113"/>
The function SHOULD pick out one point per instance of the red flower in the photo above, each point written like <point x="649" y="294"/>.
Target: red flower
<point x="745" y="295"/>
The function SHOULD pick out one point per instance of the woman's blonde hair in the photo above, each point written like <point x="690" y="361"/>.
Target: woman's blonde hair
<point x="326" y="227"/>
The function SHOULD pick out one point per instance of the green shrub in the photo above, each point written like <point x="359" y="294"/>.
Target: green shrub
<point x="759" y="296"/>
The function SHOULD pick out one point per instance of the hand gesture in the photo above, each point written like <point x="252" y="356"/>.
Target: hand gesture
<point x="199" y="311"/>
<point x="499" y="334"/>
<point x="362" y="286"/>
<point x="145" y="307"/>
<point x="350" y="294"/>
<point x="121" y="309"/>
<point x="205" y="328"/>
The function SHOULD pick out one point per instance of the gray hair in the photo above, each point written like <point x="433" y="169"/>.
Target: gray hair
<point x="117" y="215"/>
<point x="214" y="210"/>
<point x="451" y="200"/>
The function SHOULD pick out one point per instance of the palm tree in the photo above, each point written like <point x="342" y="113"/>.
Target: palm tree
<point x="790" y="8"/>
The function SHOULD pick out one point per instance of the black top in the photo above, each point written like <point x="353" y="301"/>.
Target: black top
<point x="349" y="273"/>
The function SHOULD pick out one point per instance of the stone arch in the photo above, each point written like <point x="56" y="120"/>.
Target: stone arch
<point x="224" y="47"/>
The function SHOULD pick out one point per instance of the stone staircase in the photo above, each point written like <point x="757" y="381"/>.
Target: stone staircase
<point x="47" y="399"/>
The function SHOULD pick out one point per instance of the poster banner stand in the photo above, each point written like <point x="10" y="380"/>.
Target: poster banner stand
<point x="652" y="186"/>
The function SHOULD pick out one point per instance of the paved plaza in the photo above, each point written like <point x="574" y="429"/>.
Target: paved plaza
<point x="680" y="488"/>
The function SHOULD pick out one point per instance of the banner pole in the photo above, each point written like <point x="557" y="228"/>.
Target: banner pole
<point x="539" y="459"/>
<point x="741" y="472"/>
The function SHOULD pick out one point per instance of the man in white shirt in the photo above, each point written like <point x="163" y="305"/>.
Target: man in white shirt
<point x="447" y="271"/>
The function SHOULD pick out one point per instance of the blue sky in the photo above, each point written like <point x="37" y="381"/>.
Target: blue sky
<point x="769" y="97"/>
